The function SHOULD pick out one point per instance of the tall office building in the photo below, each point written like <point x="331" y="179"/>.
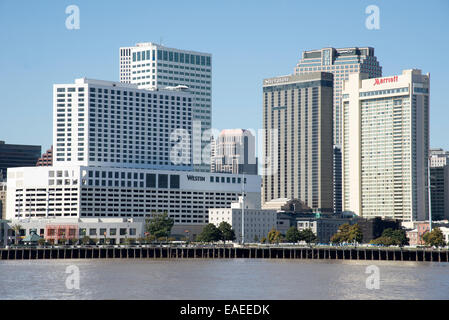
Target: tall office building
<point x="297" y="119"/>
<point x="341" y="63"/>
<point x="17" y="155"/>
<point x="337" y="180"/>
<point x="386" y="145"/>
<point x="234" y="152"/>
<point x="155" y="66"/>
<point x="439" y="184"/>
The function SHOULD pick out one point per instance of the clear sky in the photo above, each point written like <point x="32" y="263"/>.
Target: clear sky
<point x="250" y="40"/>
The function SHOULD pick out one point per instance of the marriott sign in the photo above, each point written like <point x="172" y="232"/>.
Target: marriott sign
<point x="385" y="80"/>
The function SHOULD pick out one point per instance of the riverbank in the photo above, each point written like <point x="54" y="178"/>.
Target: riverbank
<point x="167" y="252"/>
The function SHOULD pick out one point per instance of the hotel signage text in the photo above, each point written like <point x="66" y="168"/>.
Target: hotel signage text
<point x="385" y="80"/>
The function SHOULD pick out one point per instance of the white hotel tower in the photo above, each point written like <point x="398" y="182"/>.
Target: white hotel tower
<point x="155" y="66"/>
<point x="118" y="154"/>
<point x="386" y="145"/>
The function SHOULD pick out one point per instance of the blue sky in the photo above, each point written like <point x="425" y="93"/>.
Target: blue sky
<point x="249" y="40"/>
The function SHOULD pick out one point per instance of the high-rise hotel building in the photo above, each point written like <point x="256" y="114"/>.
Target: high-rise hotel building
<point x="386" y="145"/>
<point x="105" y="123"/>
<point x="297" y="119"/>
<point x="341" y="63"/>
<point x="155" y="66"/>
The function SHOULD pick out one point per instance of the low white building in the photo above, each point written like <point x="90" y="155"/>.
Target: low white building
<point x="257" y="222"/>
<point x="115" y="230"/>
<point x="80" y="192"/>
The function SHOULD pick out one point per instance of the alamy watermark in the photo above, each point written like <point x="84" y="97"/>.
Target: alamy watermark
<point x="372" y="22"/>
<point x="72" y="22"/>
<point x="72" y="282"/>
<point x="373" y="280"/>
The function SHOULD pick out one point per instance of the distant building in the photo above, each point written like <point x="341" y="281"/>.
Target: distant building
<point x="337" y="180"/>
<point x="153" y="65"/>
<point x="374" y="227"/>
<point x="47" y="159"/>
<point x="297" y="119"/>
<point x="234" y="151"/>
<point x="287" y="205"/>
<point x="257" y="222"/>
<point x="341" y="63"/>
<point x="3" y="232"/>
<point x="116" y="230"/>
<point x="17" y="155"/>
<point x="416" y="232"/>
<point x="323" y="228"/>
<point x="438" y="157"/>
<point x="212" y="154"/>
<point x="439" y="184"/>
<point x="3" y="200"/>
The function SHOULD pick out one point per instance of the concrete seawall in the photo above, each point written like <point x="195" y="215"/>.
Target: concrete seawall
<point x="372" y="254"/>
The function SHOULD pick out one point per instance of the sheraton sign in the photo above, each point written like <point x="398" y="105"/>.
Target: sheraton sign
<point x="385" y="80"/>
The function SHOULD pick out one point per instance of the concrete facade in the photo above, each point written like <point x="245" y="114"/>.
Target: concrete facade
<point x="152" y="65"/>
<point x="385" y="145"/>
<point x="257" y="222"/>
<point x="298" y="153"/>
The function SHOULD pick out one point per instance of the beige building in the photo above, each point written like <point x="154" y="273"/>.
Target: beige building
<point x="386" y="145"/>
<point x="297" y="119"/>
<point x="256" y="224"/>
<point x="234" y="151"/>
<point x="341" y="62"/>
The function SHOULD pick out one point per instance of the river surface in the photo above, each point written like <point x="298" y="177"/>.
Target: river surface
<point x="221" y="279"/>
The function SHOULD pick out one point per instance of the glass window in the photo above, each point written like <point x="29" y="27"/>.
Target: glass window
<point x="163" y="180"/>
<point x="151" y="180"/>
<point x="174" y="181"/>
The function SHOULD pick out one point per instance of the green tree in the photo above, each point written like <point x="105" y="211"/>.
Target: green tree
<point x="263" y="240"/>
<point x="308" y="236"/>
<point x="292" y="235"/>
<point x="227" y="234"/>
<point x="160" y="225"/>
<point x="210" y="233"/>
<point x="392" y="237"/>
<point x="348" y="233"/>
<point x="434" y="238"/>
<point x="355" y="234"/>
<point x="274" y="236"/>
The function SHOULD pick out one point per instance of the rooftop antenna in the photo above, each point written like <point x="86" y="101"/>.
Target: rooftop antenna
<point x="160" y="41"/>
